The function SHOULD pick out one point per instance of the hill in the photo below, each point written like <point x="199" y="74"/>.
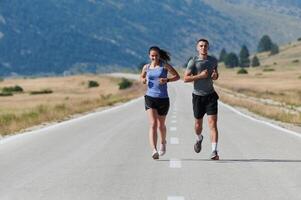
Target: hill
<point x="65" y="36"/>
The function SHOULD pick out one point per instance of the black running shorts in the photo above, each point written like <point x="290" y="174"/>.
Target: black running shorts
<point x="204" y="104"/>
<point x="160" y="104"/>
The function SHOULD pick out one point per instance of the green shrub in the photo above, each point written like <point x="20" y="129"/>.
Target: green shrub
<point x="45" y="91"/>
<point x="268" y="70"/>
<point x="295" y="61"/>
<point x="242" y="71"/>
<point x="5" y="94"/>
<point x="299" y="39"/>
<point x="125" y="83"/>
<point x="12" y="89"/>
<point x="93" y="84"/>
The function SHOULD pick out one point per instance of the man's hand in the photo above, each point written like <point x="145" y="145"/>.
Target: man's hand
<point x="214" y="75"/>
<point x="204" y="74"/>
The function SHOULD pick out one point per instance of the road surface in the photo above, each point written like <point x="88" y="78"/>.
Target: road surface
<point x="106" y="155"/>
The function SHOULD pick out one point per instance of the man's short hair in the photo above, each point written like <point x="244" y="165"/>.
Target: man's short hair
<point x="203" y="40"/>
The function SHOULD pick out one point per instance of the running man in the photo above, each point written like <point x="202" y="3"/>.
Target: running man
<point x="155" y="75"/>
<point x="202" y="70"/>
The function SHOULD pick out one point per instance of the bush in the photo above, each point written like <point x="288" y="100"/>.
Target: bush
<point x="268" y="69"/>
<point x="46" y="91"/>
<point x="242" y="71"/>
<point x="125" y="83"/>
<point x="299" y="39"/>
<point x="295" y="61"/>
<point x="12" y="89"/>
<point x="5" y="94"/>
<point x="93" y="84"/>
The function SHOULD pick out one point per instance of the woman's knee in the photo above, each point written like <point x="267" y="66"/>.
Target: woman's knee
<point x="162" y="126"/>
<point x="153" y="124"/>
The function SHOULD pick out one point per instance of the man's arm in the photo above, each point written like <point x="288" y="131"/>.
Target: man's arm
<point x="189" y="76"/>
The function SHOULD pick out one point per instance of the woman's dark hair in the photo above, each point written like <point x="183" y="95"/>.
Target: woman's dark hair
<point x="164" y="55"/>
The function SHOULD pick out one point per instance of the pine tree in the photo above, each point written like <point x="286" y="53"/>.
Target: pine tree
<point x="244" y="60"/>
<point x="255" y="62"/>
<point x="231" y="60"/>
<point x="265" y="44"/>
<point x="274" y="49"/>
<point x="222" y="55"/>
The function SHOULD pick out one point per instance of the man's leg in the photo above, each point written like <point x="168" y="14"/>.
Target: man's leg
<point x="199" y="138"/>
<point x="212" y="122"/>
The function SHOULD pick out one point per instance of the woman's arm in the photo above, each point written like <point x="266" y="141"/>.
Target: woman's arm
<point x="175" y="75"/>
<point x="143" y="74"/>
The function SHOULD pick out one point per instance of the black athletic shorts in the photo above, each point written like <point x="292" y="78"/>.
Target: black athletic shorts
<point x="204" y="104"/>
<point x="160" y="104"/>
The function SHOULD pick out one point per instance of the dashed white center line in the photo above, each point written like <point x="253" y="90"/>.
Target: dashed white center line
<point x="175" y="163"/>
<point x="175" y="198"/>
<point x="174" y="116"/>
<point x="173" y="121"/>
<point x="173" y="128"/>
<point x="174" y="140"/>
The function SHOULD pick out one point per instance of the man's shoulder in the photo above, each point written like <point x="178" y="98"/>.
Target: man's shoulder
<point x="212" y="58"/>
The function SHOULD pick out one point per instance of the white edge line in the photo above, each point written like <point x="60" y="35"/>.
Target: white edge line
<point x="260" y="121"/>
<point x="8" y="138"/>
<point x="175" y="198"/>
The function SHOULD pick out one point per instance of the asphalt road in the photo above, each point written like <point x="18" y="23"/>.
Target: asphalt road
<point x="106" y="155"/>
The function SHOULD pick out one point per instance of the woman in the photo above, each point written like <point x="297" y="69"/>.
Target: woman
<point x="156" y="98"/>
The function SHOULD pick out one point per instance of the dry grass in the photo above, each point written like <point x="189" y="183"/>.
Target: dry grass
<point x="70" y="95"/>
<point x="274" y="94"/>
<point x="266" y="110"/>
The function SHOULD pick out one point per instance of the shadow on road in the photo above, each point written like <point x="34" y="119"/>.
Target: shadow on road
<point x="237" y="160"/>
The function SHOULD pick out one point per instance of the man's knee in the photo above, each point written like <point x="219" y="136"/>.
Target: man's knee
<point x="198" y="124"/>
<point x="212" y="122"/>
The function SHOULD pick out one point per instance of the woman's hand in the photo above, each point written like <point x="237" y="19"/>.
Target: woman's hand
<point x="144" y="80"/>
<point x="163" y="80"/>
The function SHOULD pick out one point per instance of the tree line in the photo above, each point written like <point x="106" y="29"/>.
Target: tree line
<point x="243" y="58"/>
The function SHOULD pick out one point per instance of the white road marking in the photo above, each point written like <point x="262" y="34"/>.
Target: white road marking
<point x="175" y="163"/>
<point x="173" y="121"/>
<point x="173" y="128"/>
<point x="260" y="121"/>
<point x="174" y="140"/>
<point x="175" y="198"/>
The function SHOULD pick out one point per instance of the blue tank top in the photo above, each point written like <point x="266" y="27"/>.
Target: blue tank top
<point x="154" y="88"/>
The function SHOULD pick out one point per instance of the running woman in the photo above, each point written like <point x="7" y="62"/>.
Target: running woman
<point x="155" y="75"/>
<point x="202" y="70"/>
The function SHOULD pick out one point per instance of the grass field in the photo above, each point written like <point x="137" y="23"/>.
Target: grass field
<point x="272" y="90"/>
<point x="70" y="95"/>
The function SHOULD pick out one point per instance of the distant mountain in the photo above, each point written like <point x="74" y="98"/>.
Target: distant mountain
<point x="57" y="36"/>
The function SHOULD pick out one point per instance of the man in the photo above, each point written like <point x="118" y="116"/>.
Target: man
<point x="202" y="70"/>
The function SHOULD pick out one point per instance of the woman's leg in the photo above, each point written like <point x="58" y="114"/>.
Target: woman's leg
<point x="162" y="128"/>
<point x="153" y="137"/>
